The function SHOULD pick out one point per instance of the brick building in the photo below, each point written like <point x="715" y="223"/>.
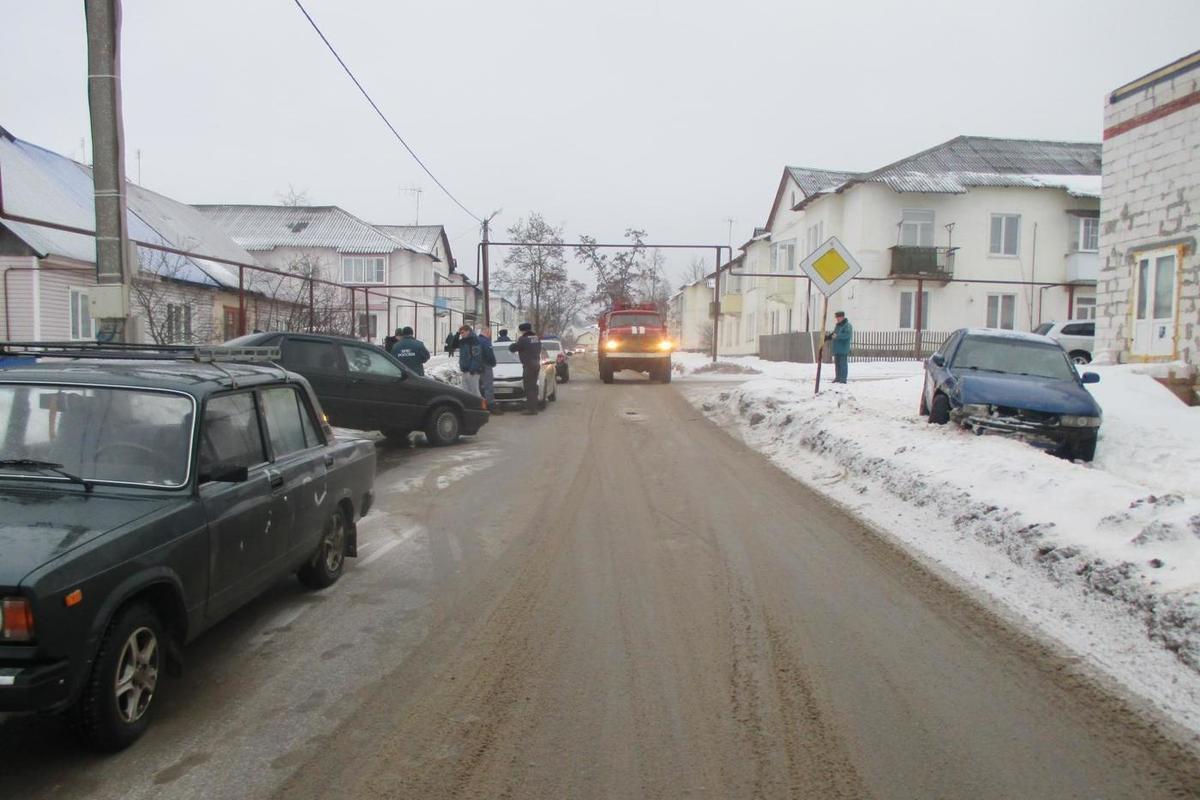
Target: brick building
<point x="1148" y="293"/>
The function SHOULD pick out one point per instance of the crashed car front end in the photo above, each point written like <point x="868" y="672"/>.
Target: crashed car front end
<point x="1044" y="429"/>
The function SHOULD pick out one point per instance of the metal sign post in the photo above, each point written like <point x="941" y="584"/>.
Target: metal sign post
<point x="830" y="267"/>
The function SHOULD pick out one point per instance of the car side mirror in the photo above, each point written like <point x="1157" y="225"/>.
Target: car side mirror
<point x="937" y="359"/>
<point x="1090" y="377"/>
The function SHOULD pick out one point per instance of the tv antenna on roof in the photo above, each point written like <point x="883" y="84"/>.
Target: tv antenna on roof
<point x="415" y="190"/>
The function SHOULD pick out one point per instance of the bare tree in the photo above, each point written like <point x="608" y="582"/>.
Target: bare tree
<point x="172" y="308"/>
<point x="288" y="298"/>
<point x="293" y="198"/>
<point x="536" y="272"/>
<point x="697" y="270"/>
<point x="618" y="276"/>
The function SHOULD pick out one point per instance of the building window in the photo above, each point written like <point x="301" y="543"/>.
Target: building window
<point x="179" y="323"/>
<point x="816" y="236"/>
<point x="82" y="324"/>
<point x="908" y="310"/>
<point x="1085" y="308"/>
<point x="368" y="326"/>
<point x="783" y="256"/>
<point x="1002" y="311"/>
<point x="916" y="228"/>
<point x="1087" y="235"/>
<point x="1006" y="234"/>
<point x="363" y="269"/>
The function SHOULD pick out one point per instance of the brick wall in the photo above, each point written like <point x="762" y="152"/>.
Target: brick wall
<point x="1151" y="200"/>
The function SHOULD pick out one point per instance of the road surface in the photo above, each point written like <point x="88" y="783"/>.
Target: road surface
<point x="614" y="599"/>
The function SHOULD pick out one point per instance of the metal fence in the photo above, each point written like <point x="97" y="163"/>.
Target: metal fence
<point x="897" y="345"/>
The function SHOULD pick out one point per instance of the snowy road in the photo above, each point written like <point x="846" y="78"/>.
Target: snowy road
<point x="614" y="600"/>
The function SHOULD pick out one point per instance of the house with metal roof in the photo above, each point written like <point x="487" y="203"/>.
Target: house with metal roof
<point x="1149" y="304"/>
<point x="48" y="272"/>
<point x="975" y="231"/>
<point x="393" y="275"/>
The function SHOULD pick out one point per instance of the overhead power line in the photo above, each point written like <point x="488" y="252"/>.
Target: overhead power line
<point x="383" y="116"/>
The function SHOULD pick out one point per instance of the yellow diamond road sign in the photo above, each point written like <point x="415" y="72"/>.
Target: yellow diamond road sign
<point x="830" y="266"/>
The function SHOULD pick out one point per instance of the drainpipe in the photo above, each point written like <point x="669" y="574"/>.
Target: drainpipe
<point x="1071" y="301"/>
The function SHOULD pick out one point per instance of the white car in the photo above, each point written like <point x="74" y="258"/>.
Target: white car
<point x="1077" y="336"/>
<point x="507" y="381"/>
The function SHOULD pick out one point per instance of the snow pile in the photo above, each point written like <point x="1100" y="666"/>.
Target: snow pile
<point x="1123" y="531"/>
<point x="444" y="368"/>
<point x="701" y="367"/>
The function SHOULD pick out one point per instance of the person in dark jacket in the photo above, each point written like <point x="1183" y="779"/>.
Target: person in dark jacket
<point x="410" y="351"/>
<point x="451" y="343"/>
<point x="390" y="340"/>
<point x="503" y="337"/>
<point x="843" y="332"/>
<point x="487" y="385"/>
<point x="529" y="348"/>
<point x="470" y="359"/>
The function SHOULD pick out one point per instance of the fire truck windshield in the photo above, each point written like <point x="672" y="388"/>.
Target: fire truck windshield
<point x="629" y="320"/>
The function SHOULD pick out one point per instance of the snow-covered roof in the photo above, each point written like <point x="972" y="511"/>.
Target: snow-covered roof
<point x="419" y="238"/>
<point x="966" y="162"/>
<point x="814" y="181"/>
<point x="41" y="184"/>
<point x="262" y="228"/>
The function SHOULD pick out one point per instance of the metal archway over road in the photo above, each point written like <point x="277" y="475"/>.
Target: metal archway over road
<point x="483" y="273"/>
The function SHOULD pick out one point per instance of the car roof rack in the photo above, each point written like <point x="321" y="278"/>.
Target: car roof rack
<point x="125" y="351"/>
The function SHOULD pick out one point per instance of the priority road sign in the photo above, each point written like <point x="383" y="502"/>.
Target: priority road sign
<point x="830" y="266"/>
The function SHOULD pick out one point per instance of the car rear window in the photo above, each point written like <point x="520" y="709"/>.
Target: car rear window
<point x="301" y="354"/>
<point x="1080" y="329"/>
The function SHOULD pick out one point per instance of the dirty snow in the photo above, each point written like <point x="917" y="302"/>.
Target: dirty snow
<point x="1104" y="558"/>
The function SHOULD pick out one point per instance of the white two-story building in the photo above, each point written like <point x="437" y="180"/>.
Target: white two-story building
<point x="974" y="232"/>
<point x="386" y="276"/>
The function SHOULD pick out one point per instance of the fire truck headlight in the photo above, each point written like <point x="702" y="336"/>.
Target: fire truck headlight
<point x="611" y="344"/>
<point x="665" y="344"/>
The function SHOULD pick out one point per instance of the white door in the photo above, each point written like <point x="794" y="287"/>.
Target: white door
<point x="1154" y="323"/>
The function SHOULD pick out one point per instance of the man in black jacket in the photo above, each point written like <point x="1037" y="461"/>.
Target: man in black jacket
<point x="529" y="347"/>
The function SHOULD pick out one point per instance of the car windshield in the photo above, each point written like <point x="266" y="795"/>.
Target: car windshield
<point x="629" y="320"/>
<point x="504" y="356"/>
<point x="99" y="434"/>
<point x="1014" y="356"/>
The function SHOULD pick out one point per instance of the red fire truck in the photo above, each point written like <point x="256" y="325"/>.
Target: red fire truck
<point x="634" y="336"/>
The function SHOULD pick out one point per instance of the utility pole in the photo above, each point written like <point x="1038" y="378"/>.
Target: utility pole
<point x="114" y="257"/>
<point x="487" y="294"/>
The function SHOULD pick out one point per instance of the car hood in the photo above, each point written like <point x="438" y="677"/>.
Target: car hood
<point x="1027" y="392"/>
<point x="506" y="371"/>
<point x="39" y="525"/>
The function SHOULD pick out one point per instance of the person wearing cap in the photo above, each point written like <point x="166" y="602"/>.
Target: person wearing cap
<point x="410" y="351"/>
<point x="390" y="340"/>
<point x="529" y="348"/>
<point x="503" y="337"/>
<point x="843" y="332"/>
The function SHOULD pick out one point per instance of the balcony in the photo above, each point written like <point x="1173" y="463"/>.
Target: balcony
<point x="1083" y="267"/>
<point x="931" y="263"/>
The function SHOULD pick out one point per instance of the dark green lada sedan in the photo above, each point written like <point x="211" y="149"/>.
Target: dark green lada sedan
<point x="141" y="502"/>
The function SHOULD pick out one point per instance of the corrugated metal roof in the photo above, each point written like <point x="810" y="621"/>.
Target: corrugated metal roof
<point x="41" y="184"/>
<point x="813" y="181"/>
<point x="420" y="238"/>
<point x="259" y="228"/>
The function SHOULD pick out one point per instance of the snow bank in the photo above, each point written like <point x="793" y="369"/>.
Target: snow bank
<point x="1100" y="555"/>
<point x="444" y="368"/>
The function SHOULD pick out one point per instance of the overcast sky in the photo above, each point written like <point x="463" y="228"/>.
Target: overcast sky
<point x="671" y="116"/>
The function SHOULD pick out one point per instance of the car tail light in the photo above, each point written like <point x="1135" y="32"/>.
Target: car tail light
<point x="16" y="619"/>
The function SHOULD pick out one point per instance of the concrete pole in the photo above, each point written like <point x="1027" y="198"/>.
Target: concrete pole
<point x="114" y="257"/>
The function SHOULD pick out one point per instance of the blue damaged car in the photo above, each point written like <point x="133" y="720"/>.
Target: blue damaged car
<point x="1019" y="384"/>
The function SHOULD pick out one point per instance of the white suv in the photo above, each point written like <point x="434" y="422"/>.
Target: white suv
<point x="1077" y="336"/>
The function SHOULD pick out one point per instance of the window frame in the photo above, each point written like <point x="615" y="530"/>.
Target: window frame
<point x="1003" y="217"/>
<point x="912" y="309"/>
<point x="920" y="226"/>
<point x="1000" y="297"/>
<point x="348" y="261"/>
<point x="1081" y="225"/>
<point x="74" y="323"/>
<point x="263" y="442"/>
<point x="184" y="333"/>
<point x="1085" y="302"/>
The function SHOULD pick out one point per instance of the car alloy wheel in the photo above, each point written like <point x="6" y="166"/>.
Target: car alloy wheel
<point x="333" y="546"/>
<point x="136" y="675"/>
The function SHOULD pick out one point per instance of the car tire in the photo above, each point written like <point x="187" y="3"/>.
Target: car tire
<point x="442" y="427"/>
<point x="329" y="560"/>
<point x="107" y="716"/>
<point x="939" y="410"/>
<point x="1080" y="357"/>
<point x="606" y="372"/>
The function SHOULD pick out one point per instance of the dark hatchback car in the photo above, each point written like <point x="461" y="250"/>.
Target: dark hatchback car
<point x="140" y="503"/>
<point x="364" y="388"/>
<point x="1019" y="384"/>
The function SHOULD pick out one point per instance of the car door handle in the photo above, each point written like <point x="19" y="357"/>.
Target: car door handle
<point x="276" y="479"/>
<point x="329" y="461"/>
